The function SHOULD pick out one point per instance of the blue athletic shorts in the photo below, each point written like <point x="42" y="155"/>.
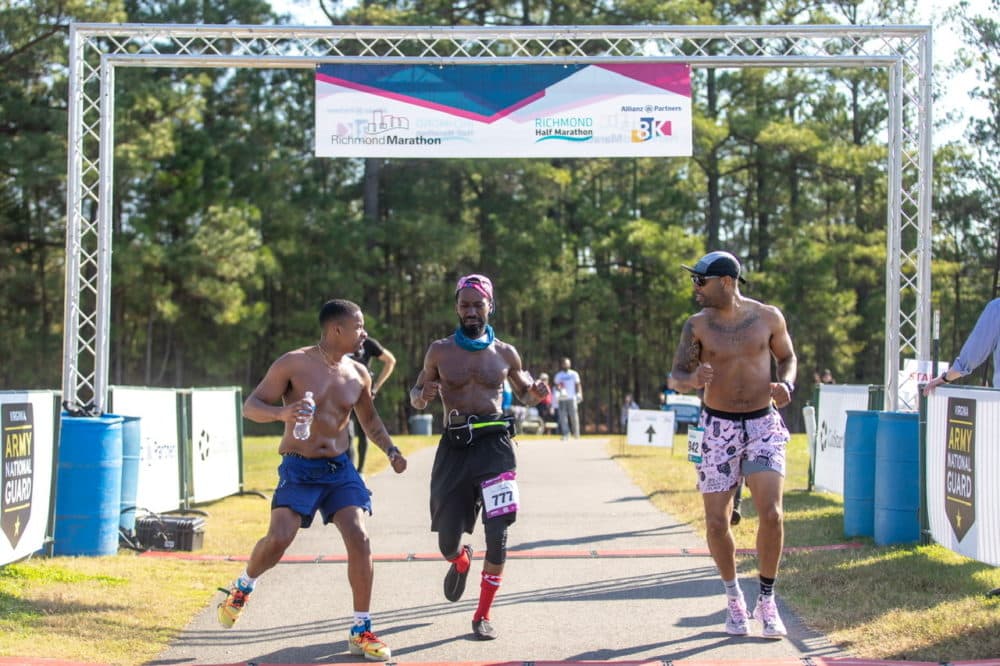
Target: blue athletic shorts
<point x="327" y="485"/>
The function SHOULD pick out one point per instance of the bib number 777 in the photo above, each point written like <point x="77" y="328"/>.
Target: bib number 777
<point x="500" y="495"/>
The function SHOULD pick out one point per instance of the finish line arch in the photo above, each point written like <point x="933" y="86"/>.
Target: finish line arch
<point x="97" y="50"/>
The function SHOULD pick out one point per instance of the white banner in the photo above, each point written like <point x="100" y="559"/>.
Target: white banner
<point x="159" y="485"/>
<point x="963" y="471"/>
<point x="834" y="402"/>
<point x="215" y="446"/>
<point x="647" y="427"/>
<point x="913" y="374"/>
<point x="425" y="111"/>
<point x="28" y="438"/>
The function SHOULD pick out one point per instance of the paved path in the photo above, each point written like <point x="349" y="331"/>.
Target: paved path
<point x="559" y="602"/>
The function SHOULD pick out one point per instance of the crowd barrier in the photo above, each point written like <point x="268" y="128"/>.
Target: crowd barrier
<point x="192" y="444"/>
<point x="835" y="400"/>
<point x="961" y="431"/>
<point x="28" y="430"/>
<point x="191" y="452"/>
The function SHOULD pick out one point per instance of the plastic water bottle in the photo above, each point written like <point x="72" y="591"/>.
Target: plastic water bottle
<point x="303" y="428"/>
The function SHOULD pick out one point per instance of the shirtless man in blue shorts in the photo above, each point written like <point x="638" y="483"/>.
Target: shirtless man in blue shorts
<point x="726" y="349"/>
<point x="316" y="473"/>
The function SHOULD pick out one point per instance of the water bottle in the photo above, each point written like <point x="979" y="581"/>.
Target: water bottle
<point x="303" y="427"/>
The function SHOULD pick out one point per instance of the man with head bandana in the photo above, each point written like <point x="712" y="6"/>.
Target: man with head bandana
<point x="474" y="468"/>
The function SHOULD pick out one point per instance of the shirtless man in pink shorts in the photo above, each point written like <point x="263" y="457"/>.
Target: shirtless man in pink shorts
<point x="726" y="349"/>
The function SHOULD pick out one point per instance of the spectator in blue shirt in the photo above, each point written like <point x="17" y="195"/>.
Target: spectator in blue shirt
<point x="983" y="341"/>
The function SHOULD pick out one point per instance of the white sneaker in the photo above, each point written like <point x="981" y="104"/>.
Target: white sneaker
<point x="736" y="618"/>
<point x="766" y="613"/>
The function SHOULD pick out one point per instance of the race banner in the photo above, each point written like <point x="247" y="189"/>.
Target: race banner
<point x="429" y="111"/>
<point x="963" y="470"/>
<point x="835" y="400"/>
<point x="27" y="439"/>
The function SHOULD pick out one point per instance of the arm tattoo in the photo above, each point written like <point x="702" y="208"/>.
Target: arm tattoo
<point x="689" y="352"/>
<point x="694" y="354"/>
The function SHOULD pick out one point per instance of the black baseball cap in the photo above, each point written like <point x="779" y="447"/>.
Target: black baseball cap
<point x="718" y="263"/>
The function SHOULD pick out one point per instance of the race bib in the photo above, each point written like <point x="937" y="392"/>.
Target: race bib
<point x="500" y="495"/>
<point x="695" y="438"/>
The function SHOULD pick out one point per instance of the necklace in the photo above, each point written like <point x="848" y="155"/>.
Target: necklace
<point x="319" y="346"/>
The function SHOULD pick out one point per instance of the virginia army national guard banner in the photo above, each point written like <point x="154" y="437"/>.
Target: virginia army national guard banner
<point x="27" y="430"/>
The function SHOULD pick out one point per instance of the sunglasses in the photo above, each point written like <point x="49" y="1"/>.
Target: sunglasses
<point x="702" y="280"/>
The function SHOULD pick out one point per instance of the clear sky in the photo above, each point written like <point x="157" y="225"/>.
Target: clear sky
<point x="947" y="41"/>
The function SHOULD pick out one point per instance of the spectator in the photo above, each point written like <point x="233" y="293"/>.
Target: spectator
<point x="569" y="393"/>
<point x="983" y="341"/>
<point x="369" y="349"/>
<point x="545" y="411"/>
<point x="827" y="377"/>
<point x="627" y="406"/>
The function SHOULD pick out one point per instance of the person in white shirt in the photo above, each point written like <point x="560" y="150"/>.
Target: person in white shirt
<point x="569" y="392"/>
<point x="627" y="406"/>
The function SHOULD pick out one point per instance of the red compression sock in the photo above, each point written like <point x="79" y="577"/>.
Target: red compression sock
<point x="462" y="562"/>
<point x="487" y="590"/>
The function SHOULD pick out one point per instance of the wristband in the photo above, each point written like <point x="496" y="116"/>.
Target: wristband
<point x="944" y="378"/>
<point x="790" y="386"/>
<point x="393" y="452"/>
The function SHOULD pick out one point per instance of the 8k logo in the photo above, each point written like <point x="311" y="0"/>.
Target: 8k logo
<point x="650" y="128"/>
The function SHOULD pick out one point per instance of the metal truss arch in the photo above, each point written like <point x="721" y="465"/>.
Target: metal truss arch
<point x="96" y="50"/>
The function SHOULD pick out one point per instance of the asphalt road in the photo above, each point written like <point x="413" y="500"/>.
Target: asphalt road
<point x="596" y="572"/>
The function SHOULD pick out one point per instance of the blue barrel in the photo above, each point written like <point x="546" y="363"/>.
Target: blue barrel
<point x="421" y="424"/>
<point x="89" y="485"/>
<point x="131" y="446"/>
<point x="897" y="478"/>
<point x="859" y="473"/>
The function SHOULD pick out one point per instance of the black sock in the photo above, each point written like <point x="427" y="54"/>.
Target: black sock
<point x="766" y="586"/>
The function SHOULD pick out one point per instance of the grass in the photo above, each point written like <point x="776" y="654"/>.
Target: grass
<point x="921" y="602"/>
<point x="125" y="609"/>
<point x="915" y="602"/>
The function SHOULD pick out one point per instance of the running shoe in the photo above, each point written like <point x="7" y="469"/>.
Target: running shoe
<point x="231" y="607"/>
<point x="454" y="582"/>
<point x="483" y="630"/>
<point x="736" y="619"/>
<point x="363" y="643"/>
<point x="766" y="612"/>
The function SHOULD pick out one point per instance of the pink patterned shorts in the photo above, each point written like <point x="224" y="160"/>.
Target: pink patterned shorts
<point x="738" y="445"/>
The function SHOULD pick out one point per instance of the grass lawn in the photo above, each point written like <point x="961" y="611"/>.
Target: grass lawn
<point x="915" y="602"/>
<point x="124" y="609"/>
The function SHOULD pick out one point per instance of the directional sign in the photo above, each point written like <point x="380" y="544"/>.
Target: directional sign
<point x="647" y="427"/>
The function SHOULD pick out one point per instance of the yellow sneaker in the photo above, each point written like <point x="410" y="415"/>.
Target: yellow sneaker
<point x="368" y="645"/>
<point x="232" y="606"/>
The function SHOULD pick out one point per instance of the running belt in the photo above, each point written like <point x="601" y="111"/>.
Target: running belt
<point x="478" y="426"/>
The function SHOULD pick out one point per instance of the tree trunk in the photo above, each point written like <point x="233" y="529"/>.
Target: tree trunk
<point x="713" y="220"/>
<point x="372" y="213"/>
